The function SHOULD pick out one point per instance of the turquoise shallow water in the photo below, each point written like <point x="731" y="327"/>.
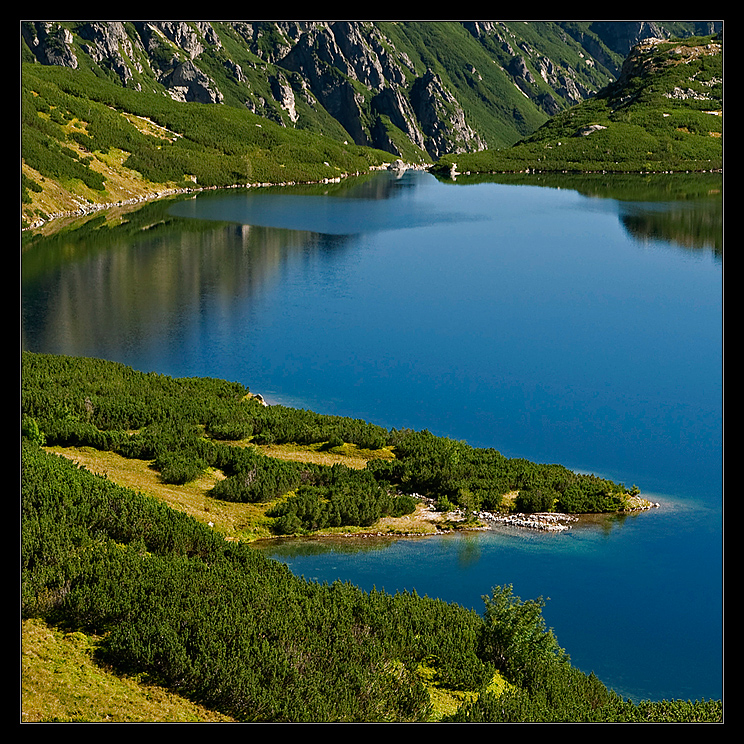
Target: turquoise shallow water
<point x="540" y="321"/>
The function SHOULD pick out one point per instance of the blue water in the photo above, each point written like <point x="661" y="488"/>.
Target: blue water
<point x="529" y="319"/>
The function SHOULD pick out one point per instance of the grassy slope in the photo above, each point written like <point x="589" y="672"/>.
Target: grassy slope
<point x="642" y="126"/>
<point x="60" y="683"/>
<point x="88" y="143"/>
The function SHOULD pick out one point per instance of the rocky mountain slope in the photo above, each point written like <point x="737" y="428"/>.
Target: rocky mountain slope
<point x="415" y="89"/>
<point x="664" y="113"/>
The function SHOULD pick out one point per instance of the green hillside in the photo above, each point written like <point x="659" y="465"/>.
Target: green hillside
<point x="162" y="604"/>
<point x="86" y="141"/>
<point x="665" y="113"/>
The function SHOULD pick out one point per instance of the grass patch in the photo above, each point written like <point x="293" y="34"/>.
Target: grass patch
<point x="234" y="521"/>
<point x="60" y="683"/>
<point x="346" y="454"/>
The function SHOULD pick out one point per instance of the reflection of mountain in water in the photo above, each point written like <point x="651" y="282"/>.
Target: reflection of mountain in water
<point x="140" y="282"/>
<point x="690" y="225"/>
<point x="156" y="277"/>
<point x="385" y="202"/>
<point x="685" y="209"/>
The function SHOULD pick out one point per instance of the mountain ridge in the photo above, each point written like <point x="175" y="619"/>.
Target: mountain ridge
<point x="351" y="68"/>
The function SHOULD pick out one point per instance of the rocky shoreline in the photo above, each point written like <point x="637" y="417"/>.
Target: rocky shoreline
<point x="547" y="522"/>
<point x="446" y="522"/>
<point x="426" y="521"/>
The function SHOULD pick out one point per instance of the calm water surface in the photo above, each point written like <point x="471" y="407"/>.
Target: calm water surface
<point x="545" y="322"/>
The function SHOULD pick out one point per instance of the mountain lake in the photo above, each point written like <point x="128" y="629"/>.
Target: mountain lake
<point x="569" y="320"/>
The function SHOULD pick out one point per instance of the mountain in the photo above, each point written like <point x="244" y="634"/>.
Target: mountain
<point x="114" y="111"/>
<point x="437" y="83"/>
<point x="663" y="113"/>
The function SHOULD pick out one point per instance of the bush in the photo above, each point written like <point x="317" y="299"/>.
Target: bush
<point x="30" y="430"/>
<point x="403" y="505"/>
<point x="534" y="500"/>
<point x="179" y="468"/>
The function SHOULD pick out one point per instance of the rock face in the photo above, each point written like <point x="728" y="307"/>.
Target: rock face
<point x="188" y="83"/>
<point x="397" y="96"/>
<point x="442" y="118"/>
<point x="375" y="84"/>
<point x="108" y="45"/>
<point x="50" y="43"/>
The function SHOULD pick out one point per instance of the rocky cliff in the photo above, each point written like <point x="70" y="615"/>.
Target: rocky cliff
<point x="410" y="87"/>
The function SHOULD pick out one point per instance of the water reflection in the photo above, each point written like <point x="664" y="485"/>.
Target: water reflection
<point x="344" y="212"/>
<point x="303" y="547"/>
<point x="102" y="291"/>
<point x="693" y="226"/>
<point x="682" y="209"/>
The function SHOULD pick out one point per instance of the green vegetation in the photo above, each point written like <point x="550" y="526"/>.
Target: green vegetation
<point x="667" y="116"/>
<point x="475" y="67"/>
<point x="173" y="604"/>
<point x="155" y="598"/>
<point x="74" y="121"/>
<point x="216" y="145"/>
<point x="472" y="68"/>
<point x="184" y="426"/>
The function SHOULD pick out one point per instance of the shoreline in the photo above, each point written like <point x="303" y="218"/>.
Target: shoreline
<point x="86" y="209"/>
<point x="426" y="521"/>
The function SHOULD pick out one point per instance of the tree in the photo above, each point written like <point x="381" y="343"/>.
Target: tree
<point x="514" y="636"/>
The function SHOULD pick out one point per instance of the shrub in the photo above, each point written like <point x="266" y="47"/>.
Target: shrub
<point x="179" y="468"/>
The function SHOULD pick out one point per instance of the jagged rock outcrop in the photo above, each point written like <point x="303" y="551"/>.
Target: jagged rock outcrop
<point x="188" y="83"/>
<point x="392" y="103"/>
<point x="109" y="45"/>
<point x="50" y="42"/>
<point x="172" y="47"/>
<point x="442" y="118"/>
<point x="191" y="40"/>
<point x="338" y="60"/>
<point x="284" y="95"/>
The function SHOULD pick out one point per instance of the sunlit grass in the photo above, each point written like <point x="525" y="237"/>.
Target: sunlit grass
<point x="236" y="521"/>
<point x="60" y="682"/>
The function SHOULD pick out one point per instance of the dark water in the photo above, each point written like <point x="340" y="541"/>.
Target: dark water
<point x="572" y="322"/>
